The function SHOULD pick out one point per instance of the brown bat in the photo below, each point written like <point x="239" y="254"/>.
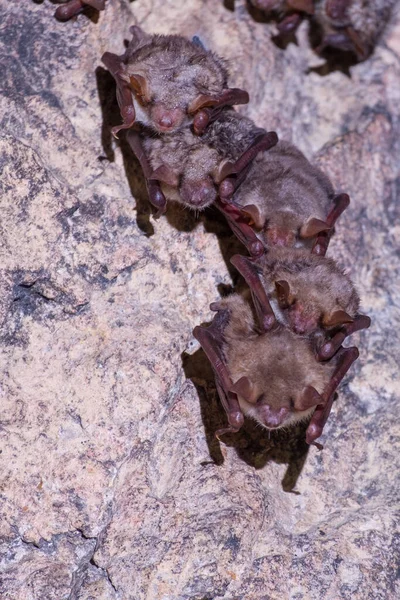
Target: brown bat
<point x="307" y="293"/>
<point x="167" y="82"/>
<point x="271" y="376"/>
<point x="288" y="13"/>
<point x="190" y="167"/>
<point x="352" y="25"/>
<point x="71" y="8"/>
<point x="287" y="200"/>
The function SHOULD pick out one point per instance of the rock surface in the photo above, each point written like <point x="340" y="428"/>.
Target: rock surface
<point x="112" y="486"/>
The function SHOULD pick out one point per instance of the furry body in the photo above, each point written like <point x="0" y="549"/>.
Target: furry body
<point x="317" y="289"/>
<point x="278" y="364"/>
<point x="193" y="162"/>
<point x="285" y="191"/>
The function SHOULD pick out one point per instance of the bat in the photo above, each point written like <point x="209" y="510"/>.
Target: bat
<point x="167" y="82"/>
<point x="307" y="293"/>
<point x="287" y="202"/>
<point x="190" y="167"/>
<point x="347" y="25"/>
<point x="271" y="376"/>
<point x="352" y="25"/>
<point x="71" y="8"/>
<point x="288" y="13"/>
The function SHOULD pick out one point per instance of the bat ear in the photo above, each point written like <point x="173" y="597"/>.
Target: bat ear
<point x="339" y="317"/>
<point x="306" y="6"/>
<point x="223" y="170"/>
<point x="139" y="85"/>
<point x="139" y="37"/>
<point x="313" y="227"/>
<point x="308" y="398"/>
<point x="244" y="388"/>
<point x="165" y="175"/>
<point x="283" y="293"/>
<point x="200" y="102"/>
<point x="255" y="215"/>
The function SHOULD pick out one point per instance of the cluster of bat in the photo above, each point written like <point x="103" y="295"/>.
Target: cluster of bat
<point x="276" y="350"/>
<point x="347" y="25"/>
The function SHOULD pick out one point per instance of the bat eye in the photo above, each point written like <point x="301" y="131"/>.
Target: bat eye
<point x="260" y="399"/>
<point x="291" y="403"/>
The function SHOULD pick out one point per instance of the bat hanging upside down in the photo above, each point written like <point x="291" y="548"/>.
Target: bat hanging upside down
<point x="269" y="375"/>
<point x="346" y="25"/>
<point x="175" y="89"/>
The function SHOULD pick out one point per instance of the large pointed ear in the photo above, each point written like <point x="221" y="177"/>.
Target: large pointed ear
<point x="223" y="170"/>
<point x="245" y="388"/>
<point x="139" y="85"/>
<point x="202" y="101"/>
<point x="306" y="6"/>
<point x="308" y="398"/>
<point x="313" y="227"/>
<point x="139" y="38"/>
<point x="165" y="175"/>
<point x="283" y="293"/>
<point x="338" y="317"/>
<point x="255" y="215"/>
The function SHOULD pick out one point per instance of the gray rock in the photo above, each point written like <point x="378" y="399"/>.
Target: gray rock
<point x="113" y="487"/>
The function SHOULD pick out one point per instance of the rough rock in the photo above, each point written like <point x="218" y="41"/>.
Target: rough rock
<point x="112" y="486"/>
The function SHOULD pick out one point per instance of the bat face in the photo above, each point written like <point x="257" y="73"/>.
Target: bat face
<point x="286" y="197"/>
<point x="310" y="292"/>
<point x="184" y="165"/>
<point x="352" y="25"/>
<point x="167" y="75"/>
<point x="282" y="229"/>
<point x="277" y="378"/>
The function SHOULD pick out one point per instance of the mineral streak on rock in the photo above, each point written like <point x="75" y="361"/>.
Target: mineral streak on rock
<point x="112" y="485"/>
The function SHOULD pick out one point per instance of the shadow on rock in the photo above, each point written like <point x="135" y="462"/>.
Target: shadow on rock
<point x="254" y="445"/>
<point x="112" y="117"/>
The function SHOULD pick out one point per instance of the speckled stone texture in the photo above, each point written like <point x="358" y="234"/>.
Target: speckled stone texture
<point x="112" y="486"/>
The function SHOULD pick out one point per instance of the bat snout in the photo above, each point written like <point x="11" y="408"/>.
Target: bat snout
<point x="300" y="322"/>
<point x="273" y="418"/>
<point x="280" y="237"/>
<point x="167" y="120"/>
<point x="198" y="194"/>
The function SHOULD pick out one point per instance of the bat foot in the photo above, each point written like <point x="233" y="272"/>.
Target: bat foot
<point x="327" y="351"/>
<point x="314" y="431"/>
<point x="201" y="122"/>
<point x="256" y="249"/>
<point x="64" y="13"/>
<point x="317" y="445"/>
<point x="226" y="189"/>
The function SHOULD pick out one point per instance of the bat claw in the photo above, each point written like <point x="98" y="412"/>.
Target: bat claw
<point x="317" y="445"/>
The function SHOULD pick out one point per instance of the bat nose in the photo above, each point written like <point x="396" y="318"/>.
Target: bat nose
<point x="280" y="237"/>
<point x="166" y="121"/>
<point x="198" y="194"/>
<point x="272" y="417"/>
<point x="300" y="322"/>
